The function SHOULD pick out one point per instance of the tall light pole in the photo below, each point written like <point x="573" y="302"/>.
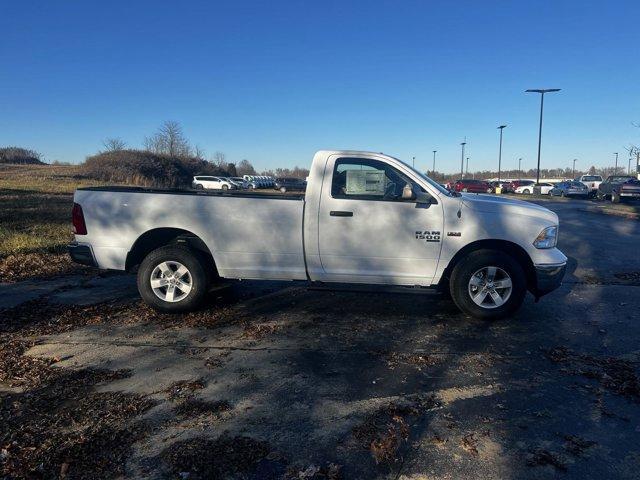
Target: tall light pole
<point x="541" y="91"/>
<point x="519" y="165"/>
<point x="467" y="169"/>
<point x="501" y="127"/>
<point x="574" y="168"/>
<point x="434" y="163"/>
<point x="413" y="162"/>
<point x="629" y="168"/>
<point x="615" y="170"/>
<point x="462" y="161"/>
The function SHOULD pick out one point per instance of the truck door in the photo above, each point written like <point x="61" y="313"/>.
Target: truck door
<point x="368" y="233"/>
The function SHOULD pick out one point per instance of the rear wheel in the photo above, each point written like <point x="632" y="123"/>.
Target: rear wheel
<point x="615" y="197"/>
<point x="173" y="279"/>
<point x="488" y="285"/>
<point x="199" y="187"/>
<point x="225" y="187"/>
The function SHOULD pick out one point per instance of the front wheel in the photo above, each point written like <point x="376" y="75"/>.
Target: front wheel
<point x="225" y="187"/>
<point x="172" y="279"/>
<point x="527" y="191"/>
<point x="488" y="285"/>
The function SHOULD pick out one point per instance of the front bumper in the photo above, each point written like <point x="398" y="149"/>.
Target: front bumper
<point x="82" y="254"/>
<point x="548" y="278"/>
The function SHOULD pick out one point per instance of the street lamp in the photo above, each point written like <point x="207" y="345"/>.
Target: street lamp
<point x="462" y="161"/>
<point x="467" y="169"/>
<point x="413" y="162"/>
<point x="541" y="91"/>
<point x="574" y="168"/>
<point x="519" y="169"/>
<point x="434" y="163"/>
<point x="501" y="127"/>
<point x="615" y="170"/>
<point x="629" y="167"/>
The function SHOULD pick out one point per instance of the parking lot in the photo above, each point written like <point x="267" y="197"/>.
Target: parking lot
<point x="281" y="380"/>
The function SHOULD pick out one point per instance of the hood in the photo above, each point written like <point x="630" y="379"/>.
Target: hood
<point x="507" y="206"/>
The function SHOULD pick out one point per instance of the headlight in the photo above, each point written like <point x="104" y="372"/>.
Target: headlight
<point x="548" y="238"/>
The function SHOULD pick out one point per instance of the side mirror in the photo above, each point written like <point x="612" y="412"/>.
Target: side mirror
<point x="407" y="192"/>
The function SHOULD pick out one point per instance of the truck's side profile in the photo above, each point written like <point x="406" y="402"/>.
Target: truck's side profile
<point x="365" y="218"/>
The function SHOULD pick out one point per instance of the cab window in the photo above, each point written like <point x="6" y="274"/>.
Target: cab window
<point x="367" y="179"/>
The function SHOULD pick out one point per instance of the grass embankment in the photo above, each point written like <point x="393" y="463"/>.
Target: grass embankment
<point x="35" y="219"/>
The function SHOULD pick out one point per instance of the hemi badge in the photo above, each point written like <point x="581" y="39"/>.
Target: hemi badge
<point x="454" y="234"/>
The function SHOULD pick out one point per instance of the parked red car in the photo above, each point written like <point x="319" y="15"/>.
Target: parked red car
<point x="469" y="185"/>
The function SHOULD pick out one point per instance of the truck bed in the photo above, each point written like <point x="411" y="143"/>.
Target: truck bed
<point x="250" y="235"/>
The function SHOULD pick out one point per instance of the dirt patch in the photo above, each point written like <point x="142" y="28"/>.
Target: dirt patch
<point x="614" y="374"/>
<point x="257" y="331"/>
<point x="184" y="389"/>
<point x="395" y="359"/>
<point x="194" y="407"/>
<point x="469" y="444"/>
<point x="388" y="428"/>
<point x="64" y="428"/>
<point x="29" y="266"/>
<point x="331" y="471"/>
<point x="224" y="457"/>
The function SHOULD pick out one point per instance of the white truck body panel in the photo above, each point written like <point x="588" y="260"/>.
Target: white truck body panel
<point x="296" y="238"/>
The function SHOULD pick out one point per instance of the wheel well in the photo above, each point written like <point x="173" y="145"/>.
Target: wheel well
<point x="159" y="237"/>
<point x="510" y="248"/>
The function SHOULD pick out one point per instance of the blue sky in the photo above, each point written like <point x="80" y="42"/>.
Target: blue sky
<point x="275" y="81"/>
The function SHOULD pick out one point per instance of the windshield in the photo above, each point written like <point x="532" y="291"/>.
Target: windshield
<point x="431" y="182"/>
<point x="591" y="178"/>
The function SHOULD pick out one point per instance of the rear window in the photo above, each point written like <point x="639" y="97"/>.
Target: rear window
<point x="591" y="178"/>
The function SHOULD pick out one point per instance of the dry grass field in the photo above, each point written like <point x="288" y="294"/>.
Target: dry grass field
<point x="35" y="219"/>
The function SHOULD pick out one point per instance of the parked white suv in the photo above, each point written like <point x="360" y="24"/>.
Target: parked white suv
<point x="212" y="183"/>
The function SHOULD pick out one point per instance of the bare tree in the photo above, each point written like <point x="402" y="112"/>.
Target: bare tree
<point x="169" y="140"/>
<point x="220" y="160"/>
<point x="245" y="168"/>
<point x="113" y="144"/>
<point x="198" y="152"/>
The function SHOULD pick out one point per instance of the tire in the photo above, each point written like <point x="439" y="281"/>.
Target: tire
<point x="251" y="187"/>
<point x="199" y="187"/>
<point x="527" y="191"/>
<point x="615" y="197"/>
<point x="562" y="193"/>
<point x="225" y="187"/>
<point x="462" y="284"/>
<point x="283" y="190"/>
<point x="195" y="277"/>
<point x="599" y="196"/>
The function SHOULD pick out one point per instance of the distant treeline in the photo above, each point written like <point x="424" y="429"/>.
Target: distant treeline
<point x="21" y="156"/>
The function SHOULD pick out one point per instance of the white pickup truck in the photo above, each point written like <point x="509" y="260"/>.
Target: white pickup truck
<point x="365" y="218"/>
<point x="592" y="182"/>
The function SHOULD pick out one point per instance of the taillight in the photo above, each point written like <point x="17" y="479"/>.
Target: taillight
<point x="77" y="218"/>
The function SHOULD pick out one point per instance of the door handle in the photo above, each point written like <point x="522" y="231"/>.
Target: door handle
<point x="340" y="213"/>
